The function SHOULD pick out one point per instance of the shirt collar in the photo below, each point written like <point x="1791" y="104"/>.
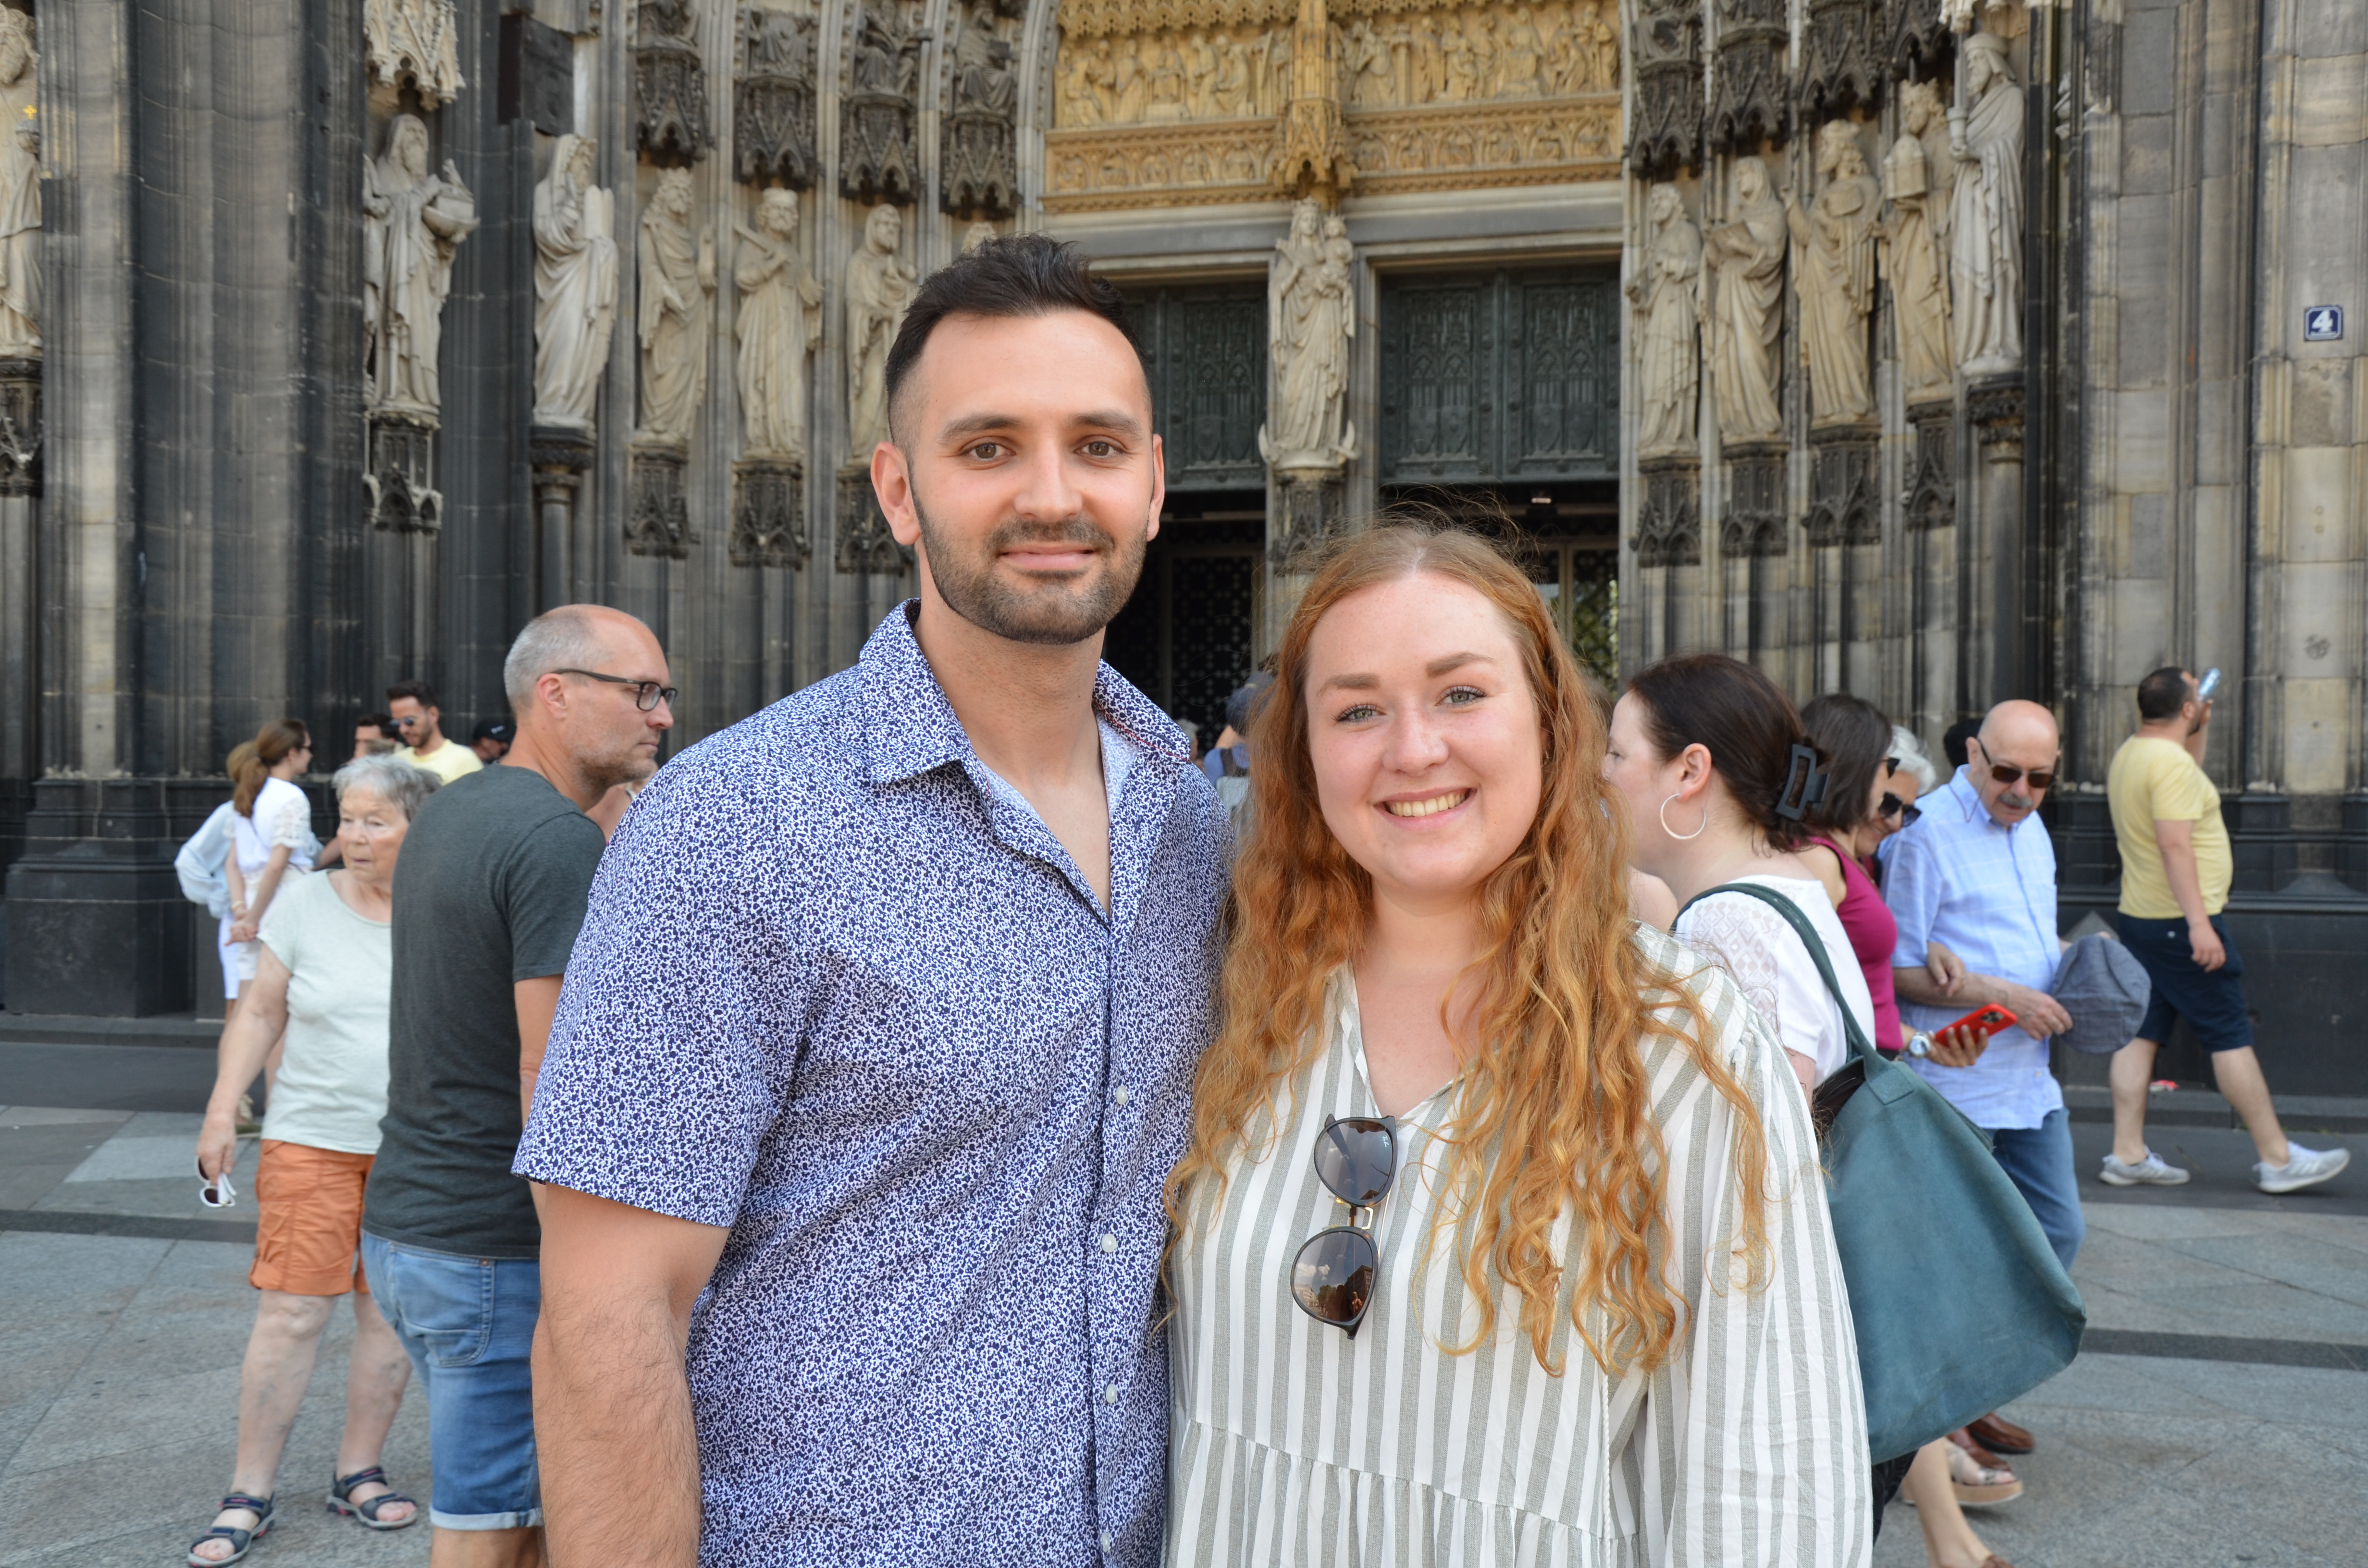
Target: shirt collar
<point x="909" y="728"/>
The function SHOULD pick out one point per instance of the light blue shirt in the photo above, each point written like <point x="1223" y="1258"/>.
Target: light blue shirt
<point x="1989" y="894"/>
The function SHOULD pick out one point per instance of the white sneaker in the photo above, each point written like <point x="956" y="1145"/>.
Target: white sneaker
<point x="2150" y="1171"/>
<point x="2304" y="1168"/>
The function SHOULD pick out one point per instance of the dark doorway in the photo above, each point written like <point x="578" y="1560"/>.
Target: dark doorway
<point x="1185" y="638"/>
<point x="1565" y="535"/>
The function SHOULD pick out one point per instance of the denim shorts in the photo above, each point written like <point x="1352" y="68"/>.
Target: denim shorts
<point x="2212" y="1002"/>
<point x="468" y="1323"/>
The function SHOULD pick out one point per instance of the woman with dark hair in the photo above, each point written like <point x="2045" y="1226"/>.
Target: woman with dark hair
<point x="1717" y="773"/>
<point x="271" y="829"/>
<point x="1536" y="1180"/>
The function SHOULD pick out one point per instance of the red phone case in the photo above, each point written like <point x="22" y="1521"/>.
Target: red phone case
<point x="1989" y="1017"/>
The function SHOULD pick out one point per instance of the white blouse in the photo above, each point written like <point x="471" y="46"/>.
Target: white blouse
<point x="1292" y="1443"/>
<point x="1760" y="948"/>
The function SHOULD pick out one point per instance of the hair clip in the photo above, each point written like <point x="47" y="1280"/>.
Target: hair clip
<point x="1804" y="785"/>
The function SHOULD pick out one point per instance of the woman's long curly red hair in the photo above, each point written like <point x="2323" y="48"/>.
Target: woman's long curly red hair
<point x="1553" y="1069"/>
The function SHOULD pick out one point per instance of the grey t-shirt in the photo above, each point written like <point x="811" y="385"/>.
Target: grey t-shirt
<point x="489" y="890"/>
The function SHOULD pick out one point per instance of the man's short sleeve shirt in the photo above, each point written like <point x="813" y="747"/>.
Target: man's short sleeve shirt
<point x="842" y="995"/>
<point x="2154" y="780"/>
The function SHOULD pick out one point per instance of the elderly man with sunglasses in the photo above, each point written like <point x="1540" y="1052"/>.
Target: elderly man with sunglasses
<point x="1977" y="874"/>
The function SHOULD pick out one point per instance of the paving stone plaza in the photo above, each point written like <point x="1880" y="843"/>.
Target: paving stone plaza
<point x="2218" y="1414"/>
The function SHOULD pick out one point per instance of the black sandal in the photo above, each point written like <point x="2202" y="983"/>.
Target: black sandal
<point x="341" y="1500"/>
<point x="240" y="1540"/>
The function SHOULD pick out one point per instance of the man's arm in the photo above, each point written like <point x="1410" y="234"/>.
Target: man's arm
<point x="2036" y="1011"/>
<point x="2175" y="837"/>
<point x="538" y="1005"/>
<point x="614" y="1431"/>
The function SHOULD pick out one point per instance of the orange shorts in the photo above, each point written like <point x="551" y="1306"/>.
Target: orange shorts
<point x="308" y="1228"/>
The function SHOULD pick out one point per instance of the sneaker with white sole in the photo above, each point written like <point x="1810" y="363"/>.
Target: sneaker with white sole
<point x="2304" y="1168"/>
<point x="2150" y="1172"/>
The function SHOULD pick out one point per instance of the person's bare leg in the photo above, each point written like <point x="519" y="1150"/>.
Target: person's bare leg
<point x="2238" y="1073"/>
<point x="2131" y="1072"/>
<point x="487" y="1549"/>
<point x="376" y="1370"/>
<point x="279" y="1354"/>
<point x="1949" y="1540"/>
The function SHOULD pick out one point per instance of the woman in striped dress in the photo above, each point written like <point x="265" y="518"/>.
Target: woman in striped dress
<point x="1500" y="1238"/>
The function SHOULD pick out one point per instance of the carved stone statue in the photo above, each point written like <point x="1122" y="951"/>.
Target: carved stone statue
<point x="678" y="275"/>
<point x="669" y="81"/>
<point x="574" y="286"/>
<point x="1666" y="290"/>
<point x="978" y="234"/>
<point x="413" y="223"/>
<point x="1912" y="250"/>
<point x="773" y="102"/>
<point x="1310" y="319"/>
<point x="1836" y="278"/>
<point x="781" y="317"/>
<point x="21" y="194"/>
<point x="415" y="41"/>
<point x="876" y="156"/>
<point x="879" y="289"/>
<point x="1745" y="255"/>
<point x="1986" y="213"/>
<point x="981" y="167"/>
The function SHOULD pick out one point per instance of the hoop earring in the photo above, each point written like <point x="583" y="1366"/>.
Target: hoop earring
<point x="1673" y="832"/>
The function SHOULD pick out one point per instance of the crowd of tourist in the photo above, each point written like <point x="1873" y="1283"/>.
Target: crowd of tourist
<point x="939" y="1119"/>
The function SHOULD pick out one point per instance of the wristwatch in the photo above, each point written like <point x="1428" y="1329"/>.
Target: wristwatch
<point x="1919" y="1044"/>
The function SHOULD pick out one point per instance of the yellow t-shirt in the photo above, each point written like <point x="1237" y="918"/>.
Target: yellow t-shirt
<point x="2153" y="780"/>
<point x="449" y="761"/>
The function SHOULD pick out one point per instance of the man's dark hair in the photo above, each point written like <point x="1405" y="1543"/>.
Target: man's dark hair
<point x="382" y="723"/>
<point x="1953" y="744"/>
<point x="1017" y="275"/>
<point x="2162" y="694"/>
<point x="419" y="691"/>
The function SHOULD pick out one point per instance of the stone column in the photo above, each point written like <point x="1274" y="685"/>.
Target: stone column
<point x="560" y="457"/>
<point x="1989" y="641"/>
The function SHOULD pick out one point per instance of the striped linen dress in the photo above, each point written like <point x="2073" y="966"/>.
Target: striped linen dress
<point x="1289" y="1443"/>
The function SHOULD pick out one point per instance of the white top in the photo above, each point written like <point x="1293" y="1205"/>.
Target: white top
<point x="1292" y="1443"/>
<point x="332" y="1086"/>
<point x="282" y="816"/>
<point x="1762" y="951"/>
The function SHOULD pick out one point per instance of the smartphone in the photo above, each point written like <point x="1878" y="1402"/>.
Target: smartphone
<point x="1988" y="1019"/>
<point x="2208" y="685"/>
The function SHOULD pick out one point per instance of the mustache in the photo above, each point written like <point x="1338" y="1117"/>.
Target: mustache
<point x="1071" y="530"/>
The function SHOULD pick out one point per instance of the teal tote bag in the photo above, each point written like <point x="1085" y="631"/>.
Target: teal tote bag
<point x="1959" y="1302"/>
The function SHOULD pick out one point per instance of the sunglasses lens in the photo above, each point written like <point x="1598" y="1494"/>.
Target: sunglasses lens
<point x="1907" y="814"/>
<point x="1332" y="1278"/>
<point x="2043" y="780"/>
<point x="1891" y="804"/>
<point x="1356" y="1157"/>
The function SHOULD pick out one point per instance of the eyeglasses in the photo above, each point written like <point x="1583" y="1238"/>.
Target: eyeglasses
<point x="1891" y="765"/>
<point x="216" y="1193"/>
<point x="1893" y="806"/>
<point x="2043" y="778"/>
<point x="408" y="720"/>
<point x="1332" y="1278"/>
<point x="647" y="694"/>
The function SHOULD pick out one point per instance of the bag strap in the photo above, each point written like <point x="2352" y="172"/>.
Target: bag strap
<point x="1809" y="939"/>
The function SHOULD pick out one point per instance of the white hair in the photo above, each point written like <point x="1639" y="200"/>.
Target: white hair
<point x="559" y="639"/>
<point x="393" y="780"/>
<point x="1912" y="760"/>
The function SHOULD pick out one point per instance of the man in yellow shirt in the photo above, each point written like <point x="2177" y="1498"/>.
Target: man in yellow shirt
<point x="2176" y="868"/>
<point x="416" y="720"/>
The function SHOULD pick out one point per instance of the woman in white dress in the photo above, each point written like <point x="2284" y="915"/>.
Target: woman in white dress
<point x="1501" y="1237"/>
<point x="270" y="832"/>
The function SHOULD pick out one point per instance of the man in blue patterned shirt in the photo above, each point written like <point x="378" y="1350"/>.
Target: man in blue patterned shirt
<point x="879" y="1040"/>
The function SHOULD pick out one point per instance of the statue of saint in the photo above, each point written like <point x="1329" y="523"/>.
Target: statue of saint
<point x="413" y="223"/>
<point x="1836" y="278"/>
<point x="1745" y="255"/>
<point x="1986" y="213"/>
<point x="1666" y="289"/>
<point x="1912" y="249"/>
<point x="678" y="275"/>
<point x="20" y="193"/>
<point x="879" y="290"/>
<point x="574" y="286"/>
<point x="979" y="232"/>
<point x="1310" y="318"/>
<point x="781" y="317"/>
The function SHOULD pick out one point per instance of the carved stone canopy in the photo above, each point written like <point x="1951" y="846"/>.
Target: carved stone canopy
<point x="1843" y="506"/>
<point x="773" y="101"/>
<point x="414" y="41"/>
<point x="1916" y="39"/>
<point x="1754" y="524"/>
<point x="865" y="545"/>
<point x="1749" y="95"/>
<point x="769" y="514"/>
<point x="1840" y="66"/>
<point x="1929" y="500"/>
<point x="877" y="161"/>
<point x="670" y="121"/>
<point x="657" y="521"/>
<point x="1669" y="524"/>
<point x="1665" y="59"/>
<point x="979" y="163"/>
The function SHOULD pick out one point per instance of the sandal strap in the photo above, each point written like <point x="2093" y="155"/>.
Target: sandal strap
<point x="344" y="1485"/>
<point x="260" y="1505"/>
<point x="370" y="1509"/>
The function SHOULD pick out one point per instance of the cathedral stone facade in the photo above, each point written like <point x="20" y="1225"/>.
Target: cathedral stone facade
<point x="1940" y="350"/>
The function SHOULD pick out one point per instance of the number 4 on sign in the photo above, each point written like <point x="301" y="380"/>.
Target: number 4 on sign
<point x="2322" y="324"/>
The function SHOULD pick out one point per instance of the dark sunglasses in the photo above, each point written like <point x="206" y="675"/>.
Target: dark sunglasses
<point x="1332" y="1278"/>
<point x="1893" y="806"/>
<point x="647" y="694"/>
<point x="2042" y="779"/>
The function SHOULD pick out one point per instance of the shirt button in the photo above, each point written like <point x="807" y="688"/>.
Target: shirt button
<point x="1108" y="1540"/>
<point x="1109" y="1242"/>
<point x="1119" y="1093"/>
<point x="1110" y="1394"/>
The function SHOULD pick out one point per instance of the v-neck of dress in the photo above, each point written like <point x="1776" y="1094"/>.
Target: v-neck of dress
<point x="1350" y="1020"/>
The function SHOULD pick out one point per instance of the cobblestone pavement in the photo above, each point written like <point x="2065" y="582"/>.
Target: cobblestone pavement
<point x="2219" y="1414"/>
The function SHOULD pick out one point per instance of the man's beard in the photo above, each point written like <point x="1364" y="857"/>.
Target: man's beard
<point x="1053" y="613"/>
<point x="629" y="765"/>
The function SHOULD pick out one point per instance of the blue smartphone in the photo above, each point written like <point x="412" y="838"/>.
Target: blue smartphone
<point x="2208" y="685"/>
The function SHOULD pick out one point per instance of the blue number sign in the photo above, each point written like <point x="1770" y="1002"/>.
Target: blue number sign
<point x="2322" y="324"/>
